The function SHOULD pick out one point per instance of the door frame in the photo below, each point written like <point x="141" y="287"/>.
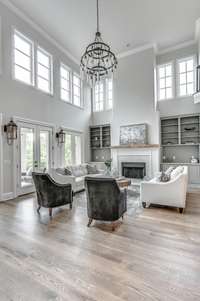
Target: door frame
<point x="16" y="162"/>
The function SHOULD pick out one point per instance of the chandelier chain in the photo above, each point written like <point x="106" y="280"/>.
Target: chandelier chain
<point x="97" y="15"/>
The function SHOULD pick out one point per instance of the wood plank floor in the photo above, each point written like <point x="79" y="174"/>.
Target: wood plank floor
<point x="153" y="256"/>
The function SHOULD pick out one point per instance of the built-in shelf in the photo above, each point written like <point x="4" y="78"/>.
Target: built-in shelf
<point x="136" y="146"/>
<point x="100" y="142"/>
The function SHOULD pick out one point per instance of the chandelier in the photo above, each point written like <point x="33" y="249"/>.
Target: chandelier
<point x="98" y="61"/>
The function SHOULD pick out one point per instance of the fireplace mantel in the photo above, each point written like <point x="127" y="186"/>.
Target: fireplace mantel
<point x="136" y="146"/>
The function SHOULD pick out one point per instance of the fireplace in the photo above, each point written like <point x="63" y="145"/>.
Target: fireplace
<point x="135" y="170"/>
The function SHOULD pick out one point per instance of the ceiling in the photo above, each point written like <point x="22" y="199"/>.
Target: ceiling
<point x="122" y="22"/>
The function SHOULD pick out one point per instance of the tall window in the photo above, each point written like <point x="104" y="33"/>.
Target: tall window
<point x="98" y="104"/>
<point x="103" y="95"/>
<point x="23" y="59"/>
<point x="72" y="148"/>
<point x="186" y="76"/>
<point x="44" y="71"/>
<point x="65" y="85"/>
<point x="76" y="90"/>
<point x="165" y="81"/>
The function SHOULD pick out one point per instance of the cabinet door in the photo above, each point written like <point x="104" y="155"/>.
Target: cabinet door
<point x="194" y="174"/>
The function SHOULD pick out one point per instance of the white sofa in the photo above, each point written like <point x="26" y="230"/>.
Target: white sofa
<point x="77" y="177"/>
<point x="171" y="193"/>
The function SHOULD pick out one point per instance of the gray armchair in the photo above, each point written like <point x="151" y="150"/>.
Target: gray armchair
<point x="105" y="200"/>
<point x="51" y="194"/>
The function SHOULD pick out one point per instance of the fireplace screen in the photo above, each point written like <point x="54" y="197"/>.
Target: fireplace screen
<point x="135" y="170"/>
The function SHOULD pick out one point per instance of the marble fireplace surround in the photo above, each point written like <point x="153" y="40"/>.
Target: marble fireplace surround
<point x="149" y="156"/>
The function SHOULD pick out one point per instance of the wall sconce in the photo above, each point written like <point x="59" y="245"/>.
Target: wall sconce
<point x="11" y="131"/>
<point x="60" y="136"/>
<point x="197" y="93"/>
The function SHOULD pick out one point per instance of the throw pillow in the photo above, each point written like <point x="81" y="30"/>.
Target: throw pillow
<point x="169" y="170"/>
<point x="68" y="172"/>
<point x="165" y="177"/>
<point x="176" y="172"/>
<point x="61" y="171"/>
<point x="92" y="169"/>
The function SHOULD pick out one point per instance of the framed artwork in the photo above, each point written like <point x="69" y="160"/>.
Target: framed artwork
<point x="133" y="134"/>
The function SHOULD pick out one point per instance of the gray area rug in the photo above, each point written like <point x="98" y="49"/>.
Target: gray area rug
<point x="134" y="206"/>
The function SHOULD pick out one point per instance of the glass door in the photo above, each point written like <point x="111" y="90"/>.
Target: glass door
<point x="35" y="154"/>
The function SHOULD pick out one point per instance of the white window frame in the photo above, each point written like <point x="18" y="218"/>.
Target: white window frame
<point x="73" y="146"/>
<point x="158" y="81"/>
<point x="105" y="96"/>
<point x="81" y="88"/>
<point x="32" y="71"/>
<point x="178" y="61"/>
<point x="42" y="50"/>
<point x="64" y="66"/>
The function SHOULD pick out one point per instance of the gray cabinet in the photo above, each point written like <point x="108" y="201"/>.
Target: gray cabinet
<point x="100" y="143"/>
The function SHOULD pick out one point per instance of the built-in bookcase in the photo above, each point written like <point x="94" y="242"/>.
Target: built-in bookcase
<point x="180" y="138"/>
<point x="100" y="142"/>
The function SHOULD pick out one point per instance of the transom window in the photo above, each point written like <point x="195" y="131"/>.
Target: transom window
<point x="76" y="90"/>
<point x="103" y="95"/>
<point x="23" y="58"/>
<point x="186" y="76"/>
<point x="65" y="85"/>
<point x="44" y="71"/>
<point x="165" y="81"/>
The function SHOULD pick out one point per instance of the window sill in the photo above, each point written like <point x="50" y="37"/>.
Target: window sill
<point x="72" y="104"/>
<point x="102" y="111"/>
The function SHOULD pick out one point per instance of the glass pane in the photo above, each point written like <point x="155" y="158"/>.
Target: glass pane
<point x="190" y="65"/>
<point x="162" y="83"/>
<point x="183" y="91"/>
<point x="190" y="77"/>
<point x="22" y="45"/>
<point x="110" y="104"/>
<point x="77" y="101"/>
<point x="76" y="80"/>
<point x="110" y="84"/>
<point x="183" y="78"/>
<point x="43" y="84"/>
<point x="110" y="95"/>
<point x="22" y="60"/>
<point x="68" y="149"/>
<point x="162" y="94"/>
<point x="64" y="84"/>
<point x="161" y="72"/>
<point x="168" y="82"/>
<point x="44" y="150"/>
<point x="43" y="58"/>
<point x="77" y="150"/>
<point x="27" y="160"/>
<point x="22" y="75"/>
<point x="76" y="91"/>
<point x="190" y="89"/>
<point x="169" y="93"/>
<point x="43" y="71"/>
<point x="64" y="73"/>
<point x="65" y="95"/>
<point x="182" y="67"/>
<point x="168" y="70"/>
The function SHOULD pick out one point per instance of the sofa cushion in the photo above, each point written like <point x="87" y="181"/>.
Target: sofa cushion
<point x="178" y="170"/>
<point x="78" y="170"/>
<point x="63" y="171"/>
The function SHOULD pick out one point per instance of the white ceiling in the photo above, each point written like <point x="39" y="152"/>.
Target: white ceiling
<point x="135" y="22"/>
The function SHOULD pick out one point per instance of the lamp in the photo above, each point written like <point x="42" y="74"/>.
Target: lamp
<point x="60" y="136"/>
<point x="11" y="131"/>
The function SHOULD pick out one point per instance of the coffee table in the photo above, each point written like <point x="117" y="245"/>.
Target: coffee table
<point x="123" y="182"/>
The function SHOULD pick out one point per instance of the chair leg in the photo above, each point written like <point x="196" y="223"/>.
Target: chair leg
<point x="89" y="222"/>
<point x="50" y="212"/>
<point x="122" y="216"/>
<point x="38" y="209"/>
<point x="70" y="205"/>
<point x="180" y="210"/>
<point x="144" y="204"/>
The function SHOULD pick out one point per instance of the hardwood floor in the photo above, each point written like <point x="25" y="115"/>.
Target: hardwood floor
<point x="154" y="256"/>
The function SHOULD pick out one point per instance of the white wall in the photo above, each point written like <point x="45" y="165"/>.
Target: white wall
<point x="18" y="99"/>
<point x="178" y="105"/>
<point x="134" y="95"/>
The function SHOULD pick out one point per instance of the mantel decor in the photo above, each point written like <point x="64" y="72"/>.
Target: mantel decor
<point x="133" y="134"/>
<point x="98" y="61"/>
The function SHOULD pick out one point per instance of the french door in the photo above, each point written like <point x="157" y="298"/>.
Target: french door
<point x="34" y="154"/>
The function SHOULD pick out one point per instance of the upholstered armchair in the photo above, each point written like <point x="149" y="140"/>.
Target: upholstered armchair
<point x="51" y="194"/>
<point x="105" y="200"/>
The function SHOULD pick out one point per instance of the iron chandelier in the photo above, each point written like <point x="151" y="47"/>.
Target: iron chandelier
<point x="98" y="61"/>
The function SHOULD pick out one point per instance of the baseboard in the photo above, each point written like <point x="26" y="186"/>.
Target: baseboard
<point x="7" y="196"/>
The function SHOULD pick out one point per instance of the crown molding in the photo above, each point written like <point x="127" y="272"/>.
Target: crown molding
<point x="176" y="47"/>
<point x="136" y="50"/>
<point x="9" y="4"/>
